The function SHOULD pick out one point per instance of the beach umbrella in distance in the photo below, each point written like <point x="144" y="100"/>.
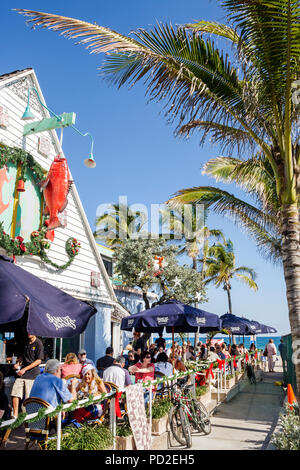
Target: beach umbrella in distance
<point x="236" y="325"/>
<point x="261" y="329"/>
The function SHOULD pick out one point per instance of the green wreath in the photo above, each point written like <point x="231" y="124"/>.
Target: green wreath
<point x="38" y="243"/>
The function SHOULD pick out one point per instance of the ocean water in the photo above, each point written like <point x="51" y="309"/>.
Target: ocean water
<point x="260" y="342"/>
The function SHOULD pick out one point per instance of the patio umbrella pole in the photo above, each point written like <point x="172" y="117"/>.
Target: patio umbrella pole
<point x="54" y="348"/>
<point x="173" y="348"/>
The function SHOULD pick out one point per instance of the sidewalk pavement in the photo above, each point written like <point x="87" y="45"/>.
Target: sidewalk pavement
<point x="248" y="420"/>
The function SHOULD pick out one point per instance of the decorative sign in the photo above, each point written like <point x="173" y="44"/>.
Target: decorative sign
<point x="4" y="119"/>
<point x="61" y="322"/>
<point x="95" y="279"/>
<point x="44" y="146"/>
<point x="162" y="320"/>
<point x="137" y="416"/>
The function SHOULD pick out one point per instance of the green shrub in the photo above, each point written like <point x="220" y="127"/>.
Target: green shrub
<point x="289" y="436"/>
<point x="201" y="390"/>
<point x="160" y="408"/>
<point x="124" y="430"/>
<point x="85" y="438"/>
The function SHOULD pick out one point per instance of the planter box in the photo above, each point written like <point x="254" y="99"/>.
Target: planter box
<point x="205" y="397"/>
<point x="125" y="443"/>
<point x="159" y="426"/>
<point x="230" y="382"/>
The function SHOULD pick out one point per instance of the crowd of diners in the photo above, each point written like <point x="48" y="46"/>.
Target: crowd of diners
<point x="78" y="377"/>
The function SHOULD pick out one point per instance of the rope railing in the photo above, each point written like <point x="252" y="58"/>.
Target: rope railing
<point x="42" y="412"/>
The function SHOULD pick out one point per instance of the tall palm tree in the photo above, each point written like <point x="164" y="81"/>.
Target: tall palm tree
<point x="221" y="269"/>
<point x="187" y="225"/>
<point x="261" y="218"/>
<point x="249" y="104"/>
<point x="118" y="224"/>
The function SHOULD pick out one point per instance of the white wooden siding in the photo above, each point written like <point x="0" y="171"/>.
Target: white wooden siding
<point x="76" y="277"/>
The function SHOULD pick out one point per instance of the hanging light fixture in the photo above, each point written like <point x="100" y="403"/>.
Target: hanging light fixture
<point x="28" y="114"/>
<point x="89" y="162"/>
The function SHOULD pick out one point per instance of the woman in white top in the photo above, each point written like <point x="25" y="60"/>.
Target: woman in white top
<point x="272" y="351"/>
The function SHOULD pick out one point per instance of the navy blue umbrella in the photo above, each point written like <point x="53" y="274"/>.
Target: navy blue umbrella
<point x="260" y="328"/>
<point x="51" y="312"/>
<point x="237" y="325"/>
<point x="173" y="315"/>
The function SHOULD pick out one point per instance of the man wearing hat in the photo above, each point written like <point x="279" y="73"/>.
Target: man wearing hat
<point x="83" y="359"/>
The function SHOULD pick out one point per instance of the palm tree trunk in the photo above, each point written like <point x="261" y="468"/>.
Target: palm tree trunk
<point x="146" y="300"/>
<point x="229" y="299"/>
<point x="291" y="267"/>
<point x="196" y="338"/>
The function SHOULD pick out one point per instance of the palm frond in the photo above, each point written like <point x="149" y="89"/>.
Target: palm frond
<point x="213" y="27"/>
<point x="254" y="175"/>
<point x="228" y="137"/>
<point x="248" y="281"/>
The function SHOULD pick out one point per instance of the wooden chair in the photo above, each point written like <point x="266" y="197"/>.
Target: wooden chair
<point x="68" y="378"/>
<point x="114" y="388"/>
<point x="4" y="436"/>
<point x="36" y="432"/>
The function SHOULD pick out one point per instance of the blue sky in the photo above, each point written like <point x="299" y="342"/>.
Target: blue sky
<point x="136" y="152"/>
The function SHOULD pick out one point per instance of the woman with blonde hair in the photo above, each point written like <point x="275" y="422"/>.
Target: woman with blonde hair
<point x="91" y="384"/>
<point x="71" y="366"/>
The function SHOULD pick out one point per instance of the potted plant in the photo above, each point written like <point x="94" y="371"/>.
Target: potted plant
<point x="203" y="393"/>
<point x="230" y="380"/>
<point x="124" y="437"/>
<point x="97" y="437"/>
<point x="160" y="410"/>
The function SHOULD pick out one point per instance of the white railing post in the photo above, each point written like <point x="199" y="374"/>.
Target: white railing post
<point x="150" y="413"/>
<point x="58" y="431"/>
<point x="112" y="420"/>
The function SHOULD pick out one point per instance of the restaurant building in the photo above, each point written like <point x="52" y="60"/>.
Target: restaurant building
<point x="71" y="261"/>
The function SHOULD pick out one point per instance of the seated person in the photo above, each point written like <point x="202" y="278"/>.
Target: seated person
<point x="83" y="360"/>
<point x="117" y="374"/>
<point x="143" y="370"/>
<point x="129" y="360"/>
<point x="105" y="361"/>
<point x="190" y="354"/>
<point x="162" y="365"/>
<point x="159" y="351"/>
<point x="51" y="388"/>
<point x="71" y="366"/>
<point x="212" y="356"/>
<point x="91" y="384"/>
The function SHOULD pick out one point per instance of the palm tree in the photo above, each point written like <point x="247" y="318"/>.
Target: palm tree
<point x="221" y="269"/>
<point x="187" y="223"/>
<point x="249" y="106"/>
<point x="261" y="219"/>
<point x="118" y="224"/>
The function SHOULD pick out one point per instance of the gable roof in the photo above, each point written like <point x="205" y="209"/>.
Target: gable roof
<point x="7" y="79"/>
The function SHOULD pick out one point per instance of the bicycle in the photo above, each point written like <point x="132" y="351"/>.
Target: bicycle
<point x="187" y="414"/>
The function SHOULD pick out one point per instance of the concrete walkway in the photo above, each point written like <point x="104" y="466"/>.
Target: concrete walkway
<point x="248" y="420"/>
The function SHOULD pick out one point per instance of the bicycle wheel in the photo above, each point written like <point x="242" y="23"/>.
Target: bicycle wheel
<point x="186" y="429"/>
<point x="178" y="422"/>
<point x="201" y="417"/>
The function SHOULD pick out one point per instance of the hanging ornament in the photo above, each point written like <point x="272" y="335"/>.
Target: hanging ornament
<point x="21" y="187"/>
<point x="177" y="282"/>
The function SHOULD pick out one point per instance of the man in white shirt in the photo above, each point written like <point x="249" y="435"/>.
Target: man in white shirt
<point x="117" y="374"/>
